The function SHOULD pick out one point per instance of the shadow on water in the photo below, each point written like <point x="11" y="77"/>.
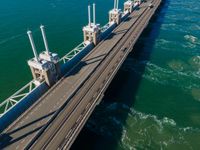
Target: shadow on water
<point x="97" y="133"/>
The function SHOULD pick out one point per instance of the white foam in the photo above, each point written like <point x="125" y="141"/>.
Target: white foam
<point x="169" y="121"/>
<point x="195" y="61"/>
<point x="192" y="39"/>
<point x="181" y="73"/>
<point x="163" y="41"/>
<point x="160" y="122"/>
<point x="141" y="130"/>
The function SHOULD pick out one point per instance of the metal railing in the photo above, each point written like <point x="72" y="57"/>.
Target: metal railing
<point x="10" y="102"/>
<point x="73" y="53"/>
<point x="105" y="27"/>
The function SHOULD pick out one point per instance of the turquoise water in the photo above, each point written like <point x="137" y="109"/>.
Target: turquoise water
<point x="154" y="101"/>
<point x="63" y="20"/>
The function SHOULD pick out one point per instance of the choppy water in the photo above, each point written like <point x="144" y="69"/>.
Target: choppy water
<point x="154" y="101"/>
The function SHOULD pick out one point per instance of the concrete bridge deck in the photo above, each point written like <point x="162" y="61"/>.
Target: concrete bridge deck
<point x="55" y="120"/>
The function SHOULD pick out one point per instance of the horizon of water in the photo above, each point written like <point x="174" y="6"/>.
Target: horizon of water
<point x="152" y="103"/>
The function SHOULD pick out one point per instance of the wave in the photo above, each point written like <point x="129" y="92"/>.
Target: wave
<point x="176" y="27"/>
<point x="138" y="116"/>
<point x="160" y="122"/>
<point x="177" y="72"/>
<point x="180" y="74"/>
<point x="10" y="38"/>
<point x="192" y="39"/>
<point x="195" y="61"/>
<point x="166" y="26"/>
<point x="154" y="133"/>
<point x="189" y="45"/>
<point x="192" y="42"/>
<point x="140" y="130"/>
<point x="163" y="42"/>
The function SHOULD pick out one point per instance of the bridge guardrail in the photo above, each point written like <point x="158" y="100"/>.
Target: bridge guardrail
<point x="10" y="102"/>
<point x="73" y="53"/>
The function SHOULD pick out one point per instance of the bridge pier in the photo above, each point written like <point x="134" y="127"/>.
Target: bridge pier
<point x="91" y="32"/>
<point x="115" y="14"/>
<point x="44" y="67"/>
<point x="138" y="1"/>
<point x="50" y="57"/>
<point x="128" y="6"/>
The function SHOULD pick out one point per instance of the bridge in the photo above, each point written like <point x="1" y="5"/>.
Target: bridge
<point x="64" y="92"/>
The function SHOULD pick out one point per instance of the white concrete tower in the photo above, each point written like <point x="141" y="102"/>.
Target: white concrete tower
<point x="115" y="14"/>
<point x="91" y="32"/>
<point x="36" y="58"/>
<point x="52" y="58"/>
<point x="42" y="70"/>
<point x="47" y="55"/>
<point x="138" y="2"/>
<point x="128" y="6"/>
<point x="37" y="66"/>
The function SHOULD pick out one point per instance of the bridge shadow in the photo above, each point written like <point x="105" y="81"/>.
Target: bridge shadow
<point x="7" y="139"/>
<point x="22" y="132"/>
<point x="100" y="132"/>
<point x="75" y="71"/>
<point x="82" y="64"/>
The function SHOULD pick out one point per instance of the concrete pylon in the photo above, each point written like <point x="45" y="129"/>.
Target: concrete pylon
<point x="115" y="14"/>
<point x="91" y="32"/>
<point x="45" y="67"/>
<point x="128" y="6"/>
